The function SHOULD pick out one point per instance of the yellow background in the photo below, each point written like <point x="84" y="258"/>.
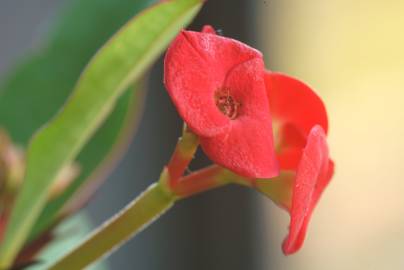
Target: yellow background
<point x="351" y="52"/>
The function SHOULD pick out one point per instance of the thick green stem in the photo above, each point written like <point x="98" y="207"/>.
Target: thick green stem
<point x="138" y="214"/>
<point x="154" y="202"/>
<point x="131" y="220"/>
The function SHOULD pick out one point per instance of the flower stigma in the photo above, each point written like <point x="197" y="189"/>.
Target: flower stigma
<point x="227" y="104"/>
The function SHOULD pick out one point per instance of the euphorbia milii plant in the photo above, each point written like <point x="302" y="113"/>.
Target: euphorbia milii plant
<point x="262" y="129"/>
<point x="223" y="92"/>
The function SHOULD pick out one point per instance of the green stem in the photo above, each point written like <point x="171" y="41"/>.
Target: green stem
<point x="131" y="220"/>
<point x="183" y="154"/>
<point x="200" y="181"/>
<point x="152" y="203"/>
<point x="138" y="214"/>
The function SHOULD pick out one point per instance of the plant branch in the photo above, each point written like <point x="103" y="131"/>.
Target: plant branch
<point x="151" y="204"/>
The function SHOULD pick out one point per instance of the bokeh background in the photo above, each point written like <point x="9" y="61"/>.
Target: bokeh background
<point x="351" y="52"/>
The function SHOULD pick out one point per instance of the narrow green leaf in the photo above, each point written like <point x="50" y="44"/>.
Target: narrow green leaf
<point x="34" y="91"/>
<point x="118" y="64"/>
<point x="117" y="129"/>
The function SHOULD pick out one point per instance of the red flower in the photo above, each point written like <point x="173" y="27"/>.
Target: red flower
<point x="302" y="125"/>
<point x="217" y="85"/>
<point x="223" y="93"/>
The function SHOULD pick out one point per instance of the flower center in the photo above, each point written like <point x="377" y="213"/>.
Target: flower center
<point x="226" y="103"/>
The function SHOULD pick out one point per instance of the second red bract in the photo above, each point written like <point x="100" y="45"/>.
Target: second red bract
<point x="302" y="126"/>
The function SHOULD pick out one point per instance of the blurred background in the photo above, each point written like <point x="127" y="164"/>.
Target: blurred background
<point x="351" y="53"/>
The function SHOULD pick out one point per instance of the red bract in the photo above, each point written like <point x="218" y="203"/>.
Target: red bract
<point x="217" y="85"/>
<point x="312" y="176"/>
<point x="302" y="124"/>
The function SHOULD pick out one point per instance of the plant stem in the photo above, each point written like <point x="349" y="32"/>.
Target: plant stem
<point x="183" y="154"/>
<point x="151" y="204"/>
<point x="200" y="181"/>
<point x="139" y="213"/>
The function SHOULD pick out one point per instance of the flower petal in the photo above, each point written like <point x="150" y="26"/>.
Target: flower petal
<point x="294" y="102"/>
<point x="247" y="148"/>
<point x="245" y="84"/>
<point x="238" y="153"/>
<point x="196" y="66"/>
<point x="290" y="147"/>
<point x="289" y="158"/>
<point x="313" y="174"/>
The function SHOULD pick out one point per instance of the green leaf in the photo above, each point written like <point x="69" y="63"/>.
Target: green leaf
<point x="38" y="87"/>
<point x="108" y="143"/>
<point x="36" y="90"/>
<point x="118" y="64"/>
